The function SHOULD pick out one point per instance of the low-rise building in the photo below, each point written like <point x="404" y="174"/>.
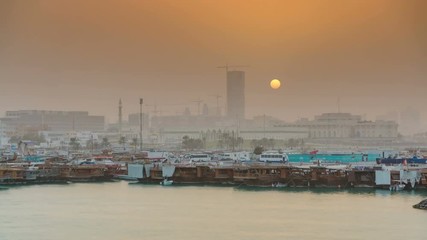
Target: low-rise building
<point x="54" y="120"/>
<point x="346" y="125"/>
<point x="6" y="131"/>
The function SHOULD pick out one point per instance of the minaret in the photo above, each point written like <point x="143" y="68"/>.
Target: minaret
<point x="120" y="116"/>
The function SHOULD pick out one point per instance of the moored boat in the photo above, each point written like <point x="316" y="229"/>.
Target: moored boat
<point x="400" y="160"/>
<point x="421" y="205"/>
<point x="166" y="182"/>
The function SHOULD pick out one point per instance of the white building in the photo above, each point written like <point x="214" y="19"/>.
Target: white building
<point x="275" y="132"/>
<point x="346" y="125"/>
<point x="279" y="133"/>
<point x="6" y="131"/>
<point x="410" y="121"/>
<point x="61" y="138"/>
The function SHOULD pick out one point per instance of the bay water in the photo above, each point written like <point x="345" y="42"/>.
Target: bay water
<point x="123" y="210"/>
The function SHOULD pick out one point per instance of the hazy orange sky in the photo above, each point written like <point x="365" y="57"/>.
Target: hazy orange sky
<point x="86" y="54"/>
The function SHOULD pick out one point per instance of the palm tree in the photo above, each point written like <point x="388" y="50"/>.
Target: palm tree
<point x="258" y="150"/>
<point x="240" y="142"/>
<point x="105" y="143"/>
<point x="123" y="141"/>
<point x="134" y="143"/>
<point x="74" y="143"/>
<point x="95" y="145"/>
<point x="186" y="142"/>
<point x="89" y="144"/>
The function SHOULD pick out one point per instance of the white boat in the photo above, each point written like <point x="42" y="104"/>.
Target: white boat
<point x="166" y="182"/>
<point x="200" y="157"/>
<point x="278" y="185"/>
<point x="397" y="187"/>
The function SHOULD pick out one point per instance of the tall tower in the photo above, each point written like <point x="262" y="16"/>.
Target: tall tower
<point x="120" y="116"/>
<point x="236" y="94"/>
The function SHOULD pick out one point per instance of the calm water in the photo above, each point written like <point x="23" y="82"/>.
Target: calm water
<point x="120" y="210"/>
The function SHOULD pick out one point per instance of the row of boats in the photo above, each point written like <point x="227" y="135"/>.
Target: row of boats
<point x="270" y="170"/>
<point x="282" y="175"/>
<point x="52" y="171"/>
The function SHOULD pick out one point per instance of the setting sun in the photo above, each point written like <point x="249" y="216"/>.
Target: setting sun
<point x="275" y="84"/>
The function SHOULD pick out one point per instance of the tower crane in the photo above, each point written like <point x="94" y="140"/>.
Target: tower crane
<point x="226" y="66"/>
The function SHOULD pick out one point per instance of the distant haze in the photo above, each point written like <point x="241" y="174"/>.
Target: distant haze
<point x="85" y="55"/>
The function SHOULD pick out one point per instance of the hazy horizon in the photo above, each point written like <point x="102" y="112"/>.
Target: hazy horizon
<point x="85" y="55"/>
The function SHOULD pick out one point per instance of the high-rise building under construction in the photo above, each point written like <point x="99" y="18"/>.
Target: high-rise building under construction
<point x="236" y="94"/>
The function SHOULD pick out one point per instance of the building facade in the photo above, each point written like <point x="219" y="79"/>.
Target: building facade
<point x="410" y="121"/>
<point x="6" y="132"/>
<point x="236" y="94"/>
<point x="346" y="125"/>
<point x="54" y="120"/>
<point x="134" y="118"/>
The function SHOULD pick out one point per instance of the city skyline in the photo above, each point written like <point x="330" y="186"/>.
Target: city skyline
<point x="213" y="119"/>
<point x="57" y="55"/>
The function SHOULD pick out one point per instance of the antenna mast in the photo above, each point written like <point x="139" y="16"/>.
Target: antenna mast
<point x="339" y="104"/>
